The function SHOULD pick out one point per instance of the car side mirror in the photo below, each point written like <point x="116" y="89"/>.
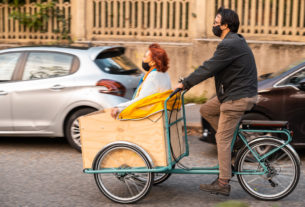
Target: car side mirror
<point x="302" y="84"/>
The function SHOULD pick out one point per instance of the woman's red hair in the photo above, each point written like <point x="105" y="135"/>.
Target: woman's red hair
<point x="159" y="56"/>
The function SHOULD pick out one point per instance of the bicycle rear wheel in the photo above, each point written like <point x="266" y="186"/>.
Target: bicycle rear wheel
<point x="123" y="187"/>
<point x="283" y="171"/>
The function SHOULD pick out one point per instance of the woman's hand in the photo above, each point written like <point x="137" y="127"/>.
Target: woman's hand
<point x="114" y="112"/>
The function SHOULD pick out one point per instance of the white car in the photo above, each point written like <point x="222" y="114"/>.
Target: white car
<point x="43" y="90"/>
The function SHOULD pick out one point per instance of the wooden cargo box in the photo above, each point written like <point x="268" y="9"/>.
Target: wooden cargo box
<point x="99" y="129"/>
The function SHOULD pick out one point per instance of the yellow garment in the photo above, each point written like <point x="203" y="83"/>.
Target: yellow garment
<point x="150" y="105"/>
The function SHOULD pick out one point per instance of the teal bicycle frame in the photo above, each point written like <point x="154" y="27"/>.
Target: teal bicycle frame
<point x="198" y="170"/>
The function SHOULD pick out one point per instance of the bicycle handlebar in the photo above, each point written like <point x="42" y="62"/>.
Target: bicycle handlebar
<point x="175" y="91"/>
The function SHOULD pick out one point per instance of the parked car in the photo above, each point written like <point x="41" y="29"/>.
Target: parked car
<point x="281" y="96"/>
<point x="43" y="90"/>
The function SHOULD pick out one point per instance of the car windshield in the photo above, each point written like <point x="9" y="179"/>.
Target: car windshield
<point x="281" y="71"/>
<point x="117" y="65"/>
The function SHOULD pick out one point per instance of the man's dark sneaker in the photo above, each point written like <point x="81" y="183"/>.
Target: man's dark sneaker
<point x="216" y="188"/>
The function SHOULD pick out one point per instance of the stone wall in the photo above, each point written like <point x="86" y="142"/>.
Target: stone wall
<point x="186" y="58"/>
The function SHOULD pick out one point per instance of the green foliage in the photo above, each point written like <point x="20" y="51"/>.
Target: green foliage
<point x="194" y="67"/>
<point x="38" y="21"/>
<point x="195" y="99"/>
<point x="232" y="203"/>
<point x="14" y="2"/>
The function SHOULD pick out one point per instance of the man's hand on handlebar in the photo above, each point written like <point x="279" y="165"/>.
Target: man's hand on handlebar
<point x="179" y="85"/>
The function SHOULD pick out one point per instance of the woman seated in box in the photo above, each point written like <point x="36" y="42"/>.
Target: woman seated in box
<point x="156" y="79"/>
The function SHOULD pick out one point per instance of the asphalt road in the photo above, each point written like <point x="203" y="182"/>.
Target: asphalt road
<point x="47" y="172"/>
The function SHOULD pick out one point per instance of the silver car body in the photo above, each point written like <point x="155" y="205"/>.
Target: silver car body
<point x="40" y="107"/>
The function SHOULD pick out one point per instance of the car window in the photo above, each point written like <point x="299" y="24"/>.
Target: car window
<point x="41" y="65"/>
<point x="295" y="78"/>
<point x="280" y="71"/>
<point x="8" y="63"/>
<point x="117" y="65"/>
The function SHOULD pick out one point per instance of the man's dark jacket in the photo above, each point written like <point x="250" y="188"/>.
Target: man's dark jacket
<point x="234" y="68"/>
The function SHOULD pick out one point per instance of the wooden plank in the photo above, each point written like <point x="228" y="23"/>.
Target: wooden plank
<point x="274" y="13"/>
<point x="89" y="27"/>
<point x="133" y="16"/>
<point x="140" y="20"/>
<point x="145" y="16"/>
<point x="121" y="17"/>
<point x="170" y="17"/>
<point x="184" y="16"/>
<point x="260" y="14"/>
<point x="246" y="17"/>
<point x="115" y="16"/>
<point x="226" y="4"/>
<point x="177" y="16"/>
<point x="281" y="17"/>
<point x="233" y="6"/>
<point x="103" y="17"/>
<point x="1" y="19"/>
<point x="288" y="3"/>
<point x="239" y="11"/>
<point x="50" y="32"/>
<point x="97" y="19"/>
<point x="128" y="17"/>
<point x="253" y="16"/>
<point x="267" y="16"/>
<point x="164" y="18"/>
<point x="295" y="17"/>
<point x="158" y="15"/>
<point x="99" y="129"/>
<point x="302" y="15"/>
<point x="219" y="4"/>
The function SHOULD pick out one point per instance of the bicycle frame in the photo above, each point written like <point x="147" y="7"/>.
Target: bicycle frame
<point x="201" y="170"/>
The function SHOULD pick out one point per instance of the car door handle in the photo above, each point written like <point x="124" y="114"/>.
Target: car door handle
<point x="57" y="87"/>
<point x="3" y="93"/>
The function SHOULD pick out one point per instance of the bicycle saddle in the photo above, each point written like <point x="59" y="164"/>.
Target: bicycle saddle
<point x="263" y="124"/>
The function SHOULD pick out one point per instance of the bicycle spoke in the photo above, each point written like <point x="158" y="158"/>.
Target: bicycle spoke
<point x="129" y="188"/>
<point x="280" y="157"/>
<point x="285" y="175"/>
<point x="135" y="180"/>
<point x="254" y="179"/>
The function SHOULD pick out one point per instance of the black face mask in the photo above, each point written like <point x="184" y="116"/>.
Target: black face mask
<point x="217" y="31"/>
<point x="145" y="66"/>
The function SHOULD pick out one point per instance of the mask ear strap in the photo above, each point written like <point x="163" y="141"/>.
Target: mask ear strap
<point x="226" y="26"/>
<point x="151" y="63"/>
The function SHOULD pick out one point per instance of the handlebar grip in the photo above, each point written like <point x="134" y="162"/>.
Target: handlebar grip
<point x="175" y="91"/>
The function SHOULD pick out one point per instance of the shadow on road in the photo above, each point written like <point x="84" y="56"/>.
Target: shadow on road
<point x="28" y="142"/>
<point x="44" y="142"/>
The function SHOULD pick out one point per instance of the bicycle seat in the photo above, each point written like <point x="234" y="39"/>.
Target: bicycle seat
<point x="263" y="124"/>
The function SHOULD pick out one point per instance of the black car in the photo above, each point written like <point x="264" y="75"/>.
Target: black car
<point x="281" y="96"/>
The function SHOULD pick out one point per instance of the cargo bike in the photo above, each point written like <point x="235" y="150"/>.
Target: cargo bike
<point x="128" y="157"/>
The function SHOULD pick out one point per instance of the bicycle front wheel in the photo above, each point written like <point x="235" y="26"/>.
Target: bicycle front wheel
<point x="123" y="187"/>
<point x="283" y="171"/>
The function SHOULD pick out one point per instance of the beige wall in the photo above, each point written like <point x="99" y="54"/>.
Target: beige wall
<point x="185" y="58"/>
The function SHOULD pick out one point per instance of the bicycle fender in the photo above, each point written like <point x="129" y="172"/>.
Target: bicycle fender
<point x="274" y="140"/>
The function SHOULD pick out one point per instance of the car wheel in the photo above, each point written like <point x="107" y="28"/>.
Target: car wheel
<point x="208" y="133"/>
<point x="72" y="132"/>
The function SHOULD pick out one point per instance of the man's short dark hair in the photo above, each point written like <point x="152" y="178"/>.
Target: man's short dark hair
<point x="230" y="18"/>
